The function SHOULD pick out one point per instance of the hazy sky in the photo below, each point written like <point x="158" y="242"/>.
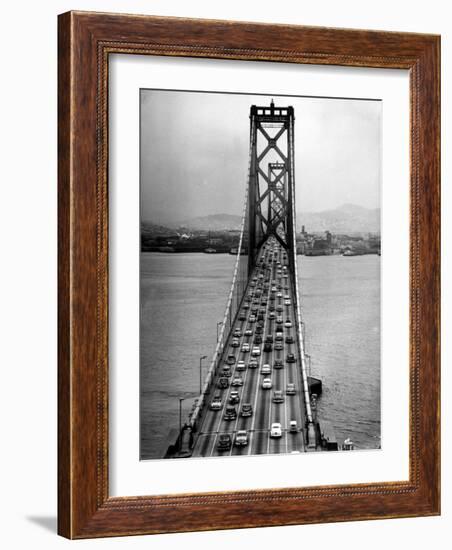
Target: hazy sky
<point x="195" y="148"/>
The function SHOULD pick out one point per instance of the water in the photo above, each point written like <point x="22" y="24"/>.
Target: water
<point x="183" y="296"/>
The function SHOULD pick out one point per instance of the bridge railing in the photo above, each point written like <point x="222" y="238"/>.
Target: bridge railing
<point x="235" y="297"/>
<point x="299" y="324"/>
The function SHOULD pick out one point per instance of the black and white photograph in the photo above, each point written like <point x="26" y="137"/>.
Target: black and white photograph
<point x="259" y="274"/>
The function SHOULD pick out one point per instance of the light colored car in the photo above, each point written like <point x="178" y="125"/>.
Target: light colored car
<point x="241" y="438"/>
<point x="248" y="332"/>
<point x="276" y="430"/>
<point x="237" y="381"/>
<point x="235" y="343"/>
<point x="241" y="365"/>
<point x="267" y="384"/>
<point x="279" y="346"/>
<point x="279" y="320"/>
<point x="253" y="364"/>
<point x="286" y="297"/>
<point x="290" y="389"/>
<point x="215" y="405"/>
<point x="288" y="324"/>
<point x="266" y="369"/>
<point x="256" y="351"/>
<point x="293" y="427"/>
<point x="287" y="302"/>
<point x="252" y="319"/>
<point x="237" y="333"/>
<point x="245" y="348"/>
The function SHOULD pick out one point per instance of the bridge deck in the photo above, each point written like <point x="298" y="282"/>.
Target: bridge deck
<point x="265" y="410"/>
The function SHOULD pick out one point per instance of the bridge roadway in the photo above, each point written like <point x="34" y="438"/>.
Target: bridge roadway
<point x="265" y="411"/>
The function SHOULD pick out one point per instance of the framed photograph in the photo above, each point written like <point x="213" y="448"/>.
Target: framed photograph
<point x="248" y="275"/>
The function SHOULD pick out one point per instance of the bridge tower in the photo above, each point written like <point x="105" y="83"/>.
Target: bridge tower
<point x="271" y="184"/>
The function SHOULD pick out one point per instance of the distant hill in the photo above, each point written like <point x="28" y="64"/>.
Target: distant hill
<point x="214" y="222"/>
<point x="348" y="218"/>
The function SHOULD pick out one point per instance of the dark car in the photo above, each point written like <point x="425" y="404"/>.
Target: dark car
<point x="269" y="339"/>
<point x="259" y="330"/>
<point x="290" y="358"/>
<point x="268" y="347"/>
<point x="223" y="382"/>
<point x="230" y="360"/>
<point x="289" y="339"/>
<point x="224" y="442"/>
<point x="278" y="364"/>
<point x="230" y="413"/>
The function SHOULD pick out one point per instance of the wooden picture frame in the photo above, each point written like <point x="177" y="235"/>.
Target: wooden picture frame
<point x="85" y="42"/>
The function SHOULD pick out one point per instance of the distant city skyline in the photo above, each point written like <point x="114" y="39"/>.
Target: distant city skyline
<point x="195" y="147"/>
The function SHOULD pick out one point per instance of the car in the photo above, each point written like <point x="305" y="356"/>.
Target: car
<point x="288" y="324"/>
<point x="290" y="389"/>
<point x="253" y="364"/>
<point x="259" y="330"/>
<point x="268" y="347"/>
<point x="245" y="348"/>
<point x="231" y="359"/>
<point x="279" y="320"/>
<point x="290" y="358"/>
<point x="273" y="289"/>
<point x="286" y="297"/>
<point x="287" y="302"/>
<point x="256" y="351"/>
<point x="293" y="427"/>
<point x="258" y="339"/>
<point x="278" y="364"/>
<point x="234" y="397"/>
<point x="237" y="333"/>
<point x="278" y="396"/>
<point x="271" y="307"/>
<point x="271" y="315"/>
<point x="267" y="384"/>
<point x="241" y="365"/>
<point x="237" y="381"/>
<point x="230" y="413"/>
<point x="260" y="317"/>
<point x="226" y="371"/>
<point x="266" y="369"/>
<point x="279" y="308"/>
<point x="246" y="410"/>
<point x="275" y="430"/>
<point x="289" y="339"/>
<point x="279" y="328"/>
<point x="246" y="305"/>
<point x="223" y="383"/>
<point x="279" y="295"/>
<point x="235" y="343"/>
<point x="279" y="346"/>
<point x="242" y="316"/>
<point x="215" y="404"/>
<point x="252" y="319"/>
<point x="269" y="339"/>
<point x="241" y="438"/>
<point x="248" y="332"/>
<point x="279" y="337"/>
<point x="254" y="310"/>
<point x="224" y="442"/>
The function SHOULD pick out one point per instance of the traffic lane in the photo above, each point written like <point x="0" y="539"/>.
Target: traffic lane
<point x="260" y="435"/>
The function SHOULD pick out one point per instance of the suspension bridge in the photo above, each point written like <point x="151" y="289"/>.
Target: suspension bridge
<point x="257" y="395"/>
